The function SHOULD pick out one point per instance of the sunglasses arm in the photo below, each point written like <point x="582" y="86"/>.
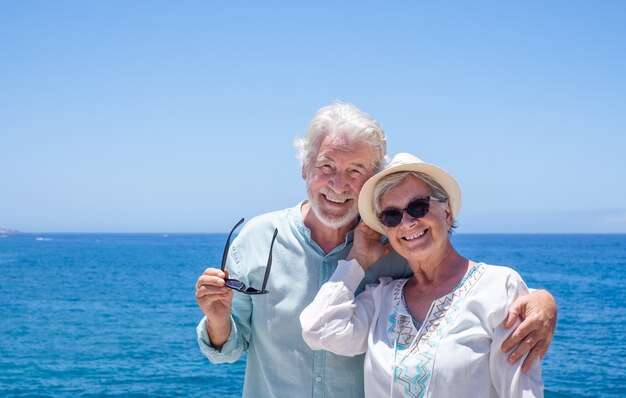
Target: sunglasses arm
<point x="269" y="261"/>
<point x="228" y="244"/>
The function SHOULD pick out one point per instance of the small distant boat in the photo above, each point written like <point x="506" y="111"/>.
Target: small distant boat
<point x="41" y="239"/>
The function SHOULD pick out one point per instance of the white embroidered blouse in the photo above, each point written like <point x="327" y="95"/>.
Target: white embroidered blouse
<point x="455" y="352"/>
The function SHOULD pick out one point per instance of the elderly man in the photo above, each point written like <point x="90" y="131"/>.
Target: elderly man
<point x="342" y="148"/>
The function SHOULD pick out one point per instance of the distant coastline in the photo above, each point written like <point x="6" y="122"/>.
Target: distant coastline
<point x="7" y="231"/>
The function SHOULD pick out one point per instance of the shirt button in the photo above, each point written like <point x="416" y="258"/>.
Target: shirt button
<point x="318" y="378"/>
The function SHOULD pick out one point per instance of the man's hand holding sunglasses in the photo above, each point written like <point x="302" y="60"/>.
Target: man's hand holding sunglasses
<point x="214" y="293"/>
<point x="215" y="301"/>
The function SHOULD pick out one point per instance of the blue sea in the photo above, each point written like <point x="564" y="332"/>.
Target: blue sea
<point x="86" y="315"/>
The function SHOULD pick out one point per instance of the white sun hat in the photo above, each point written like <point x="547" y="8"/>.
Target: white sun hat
<point x="406" y="162"/>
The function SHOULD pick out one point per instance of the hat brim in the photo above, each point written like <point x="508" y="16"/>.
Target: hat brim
<point x="366" y="197"/>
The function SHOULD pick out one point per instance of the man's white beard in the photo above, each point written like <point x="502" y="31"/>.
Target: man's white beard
<point x="333" y="220"/>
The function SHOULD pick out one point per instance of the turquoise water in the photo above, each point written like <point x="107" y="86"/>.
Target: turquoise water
<point x="115" y="314"/>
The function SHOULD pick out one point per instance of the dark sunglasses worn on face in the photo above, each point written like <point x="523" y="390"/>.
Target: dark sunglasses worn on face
<point x="417" y="208"/>
<point x="238" y="285"/>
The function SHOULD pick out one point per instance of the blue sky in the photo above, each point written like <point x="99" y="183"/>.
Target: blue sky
<point x="161" y="116"/>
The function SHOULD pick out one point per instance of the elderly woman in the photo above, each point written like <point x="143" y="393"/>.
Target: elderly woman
<point x="438" y="333"/>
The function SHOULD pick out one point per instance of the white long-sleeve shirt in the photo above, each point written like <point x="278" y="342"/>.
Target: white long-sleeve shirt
<point x="455" y="352"/>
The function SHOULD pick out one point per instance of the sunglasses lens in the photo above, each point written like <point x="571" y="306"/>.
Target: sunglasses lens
<point x="391" y="218"/>
<point x="418" y="208"/>
<point x="235" y="284"/>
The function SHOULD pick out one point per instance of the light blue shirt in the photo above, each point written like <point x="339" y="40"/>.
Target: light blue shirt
<point x="279" y="362"/>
